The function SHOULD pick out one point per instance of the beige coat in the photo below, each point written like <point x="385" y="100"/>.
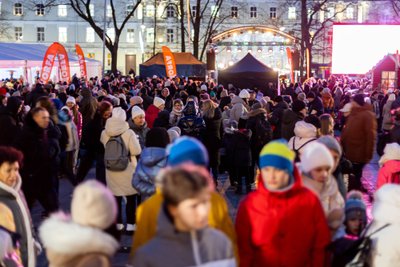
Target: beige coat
<point x="120" y="182"/>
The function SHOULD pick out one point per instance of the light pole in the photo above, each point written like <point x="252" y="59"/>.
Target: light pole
<point x="104" y="37"/>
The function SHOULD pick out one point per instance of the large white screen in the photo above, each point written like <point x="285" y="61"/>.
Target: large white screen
<point x="356" y="49"/>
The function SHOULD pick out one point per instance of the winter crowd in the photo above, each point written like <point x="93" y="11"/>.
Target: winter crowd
<point x="158" y="147"/>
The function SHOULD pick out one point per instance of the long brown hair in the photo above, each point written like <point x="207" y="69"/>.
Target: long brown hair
<point x="208" y="109"/>
<point x="327" y="124"/>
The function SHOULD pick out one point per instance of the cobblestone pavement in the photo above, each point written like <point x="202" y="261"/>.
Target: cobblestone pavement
<point x="233" y="200"/>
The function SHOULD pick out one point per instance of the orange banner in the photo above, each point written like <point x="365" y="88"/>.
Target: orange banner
<point x="169" y="62"/>
<point x="290" y="60"/>
<point x="82" y="61"/>
<point x="56" y="49"/>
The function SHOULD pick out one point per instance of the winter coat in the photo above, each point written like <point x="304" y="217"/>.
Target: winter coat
<point x="162" y="120"/>
<point x="289" y="120"/>
<point x="212" y="136"/>
<point x="151" y="161"/>
<point x="387" y="123"/>
<point x="151" y="115"/>
<point x="87" y="107"/>
<point x="174" y="117"/>
<point x="15" y="217"/>
<point x="41" y="155"/>
<point x="140" y="131"/>
<point x="72" y="136"/>
<point x="337" y="97"/>
<point x="276" y="118"/>
<point x="395" y="134"/>
<point x="191" y="124"/>
<point x="225" y="101"/>
<point x="148" y="212"/>
<point x="33" y="96"/>
<point x="91" y="135"/>
<point x="238" y="109"/>
<point x="69" y="244"/>
<point x="304" y="133"/>
<point x="78" y="123"/>
<point x="359" y="136"/>
<point x="316" y="107"/>
<point x="286" y="228"/>
<point x="261" y="132"/>
<point x="385" y="243"/>
<point x="9" y="122"/>
<point x="331" y="199"/>
<point x="120" y="182"/>
<point x="206" y="247"/>
<point x="238" y="148"/>
<point x="389" y="173"/>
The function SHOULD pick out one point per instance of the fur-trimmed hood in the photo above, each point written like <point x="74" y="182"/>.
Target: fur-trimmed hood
<point x="387" y="204"/>
<point x="65" y="240"/>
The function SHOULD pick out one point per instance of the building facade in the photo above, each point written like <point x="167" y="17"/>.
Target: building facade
<point x="265" y="28"/>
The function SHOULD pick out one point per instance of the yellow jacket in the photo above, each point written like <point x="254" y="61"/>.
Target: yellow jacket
<point x="147" y="215"/>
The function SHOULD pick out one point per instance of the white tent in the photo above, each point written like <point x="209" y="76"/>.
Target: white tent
<point x="26" y="60"/>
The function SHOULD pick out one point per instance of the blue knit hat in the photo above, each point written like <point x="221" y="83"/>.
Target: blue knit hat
<point x="277" y="154"/>
<point x="355" y="206"/>
<point x="187" y="149"/>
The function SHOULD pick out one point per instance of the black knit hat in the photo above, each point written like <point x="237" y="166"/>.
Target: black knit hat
<point x="298" y="106"/>
<point x="359" y="99"/>
<point x="157" y="137"/>
<point x="311" y="95"/>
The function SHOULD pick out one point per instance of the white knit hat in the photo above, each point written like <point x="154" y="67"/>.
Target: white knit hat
<point x="391" y="152"/>
<point x="392" y="97"/>
<point x="93" y="205"/>
<point x="71" y="99"/>
<point x="176" y="129"/>
<point x="158" y="102"/>
<point x="119" y="113"/>
<point x="173" y="135"/>
<point x="244" y="94"/>
<point x="315" y="155"/>
<point x="203" y="87"/>
<point x="137" y="111"/>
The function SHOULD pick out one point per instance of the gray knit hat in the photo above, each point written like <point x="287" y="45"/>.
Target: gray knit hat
<point x="331" y="143"/>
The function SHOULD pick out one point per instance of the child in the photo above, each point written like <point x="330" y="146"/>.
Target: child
<point x="390" y="166"/>
<point x="182" y="226"/>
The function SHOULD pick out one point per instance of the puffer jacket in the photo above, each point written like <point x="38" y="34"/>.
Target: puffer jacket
<point x="206" y="247"/>
<point x="238" y="109"/>
<point x="304" y="133"/>
<point x="151" y="161"/>
<point x="386" y="242"/>
<point x="69" y="244"/>
<point x="387" y="122"/>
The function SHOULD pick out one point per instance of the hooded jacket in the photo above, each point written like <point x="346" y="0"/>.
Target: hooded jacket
<point x="385" y="250"/>
<point x="206" y="247"/>
<point x="151" y="115"/>
<point x="120" y="182"/>
<point x="15" y="217"/>
<point x="387" y="116"/>
<point x="286" y="228"/>
<point x="151" y="161"/>
<point x="304" y="133"/>
<point x="390" y="166"/>
<point x="238" y="109"/>
<point x="191" y="124"/>
<point x="140" y="131"/>
<point x="69" y="244"/>
<point x="359" y="136"/>
<point x="9" y="120"/>
<point x="289" y="120"/>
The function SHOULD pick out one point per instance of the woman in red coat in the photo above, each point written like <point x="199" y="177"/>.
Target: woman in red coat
<point x="153" y="110"/>
<point x="282" y="223"/>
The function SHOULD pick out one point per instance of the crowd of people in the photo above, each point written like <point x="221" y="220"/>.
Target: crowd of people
<point x="159" y="146"/>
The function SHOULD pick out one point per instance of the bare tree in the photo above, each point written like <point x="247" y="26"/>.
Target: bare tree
<point x="396" y="6"/>
<point x="5" y="26"/>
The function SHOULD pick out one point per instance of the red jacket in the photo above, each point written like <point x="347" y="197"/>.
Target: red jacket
<point x="282" y="228"/>
<point x="151" y="115"/>
<point x="389" y="173"/>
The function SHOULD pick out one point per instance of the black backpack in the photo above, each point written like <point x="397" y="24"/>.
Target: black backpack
<point x="297" y="151"/>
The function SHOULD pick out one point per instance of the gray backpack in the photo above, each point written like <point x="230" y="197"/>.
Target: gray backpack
<point x="116" y="155"/>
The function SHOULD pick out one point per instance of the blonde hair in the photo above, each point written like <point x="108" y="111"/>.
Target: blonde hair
<point x="208" y="108"/>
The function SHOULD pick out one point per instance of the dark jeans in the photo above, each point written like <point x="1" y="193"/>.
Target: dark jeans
<point x="130" y="208"/>
<point x="86" y="163"/>
<point x="47" y="197"/>
<point x="240" y="172"/>
<point x="355" y="178"/>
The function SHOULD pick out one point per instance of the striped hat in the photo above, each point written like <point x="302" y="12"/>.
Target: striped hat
<point x="278" y="155"/>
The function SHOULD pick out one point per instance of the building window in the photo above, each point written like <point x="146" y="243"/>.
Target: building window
<point x="150" y="10"/>
<point x="108" y="59"/>
<point x="91" y="10"/>
<point x="111" y="33"/>
<point x="40" y="34"/>
<point x="62" y="10"/>
<point x="194" y="11"/>
<point x="90" y="55"/>
<point x="170" y="11"/>
<point x="62" y="34"/>
<point x="39" y="10"/>
<point x="89" y="35"/>
<point x="253" y="12"/>
<point x="129" y="9"/>
<point x="170" y="35"/>
<point x="109" y="11"/>
<point x="292" y="12"/>
<point x="350" y="12"/>
<point x="130" y="35"/>
<point x="150" y="35"/>
<point x="18" y="9"/>
<point x="272" y="13"/>
<point x="234" y="12"/>
<point x="18" y="33"/>
<point x="388" y="80"/>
